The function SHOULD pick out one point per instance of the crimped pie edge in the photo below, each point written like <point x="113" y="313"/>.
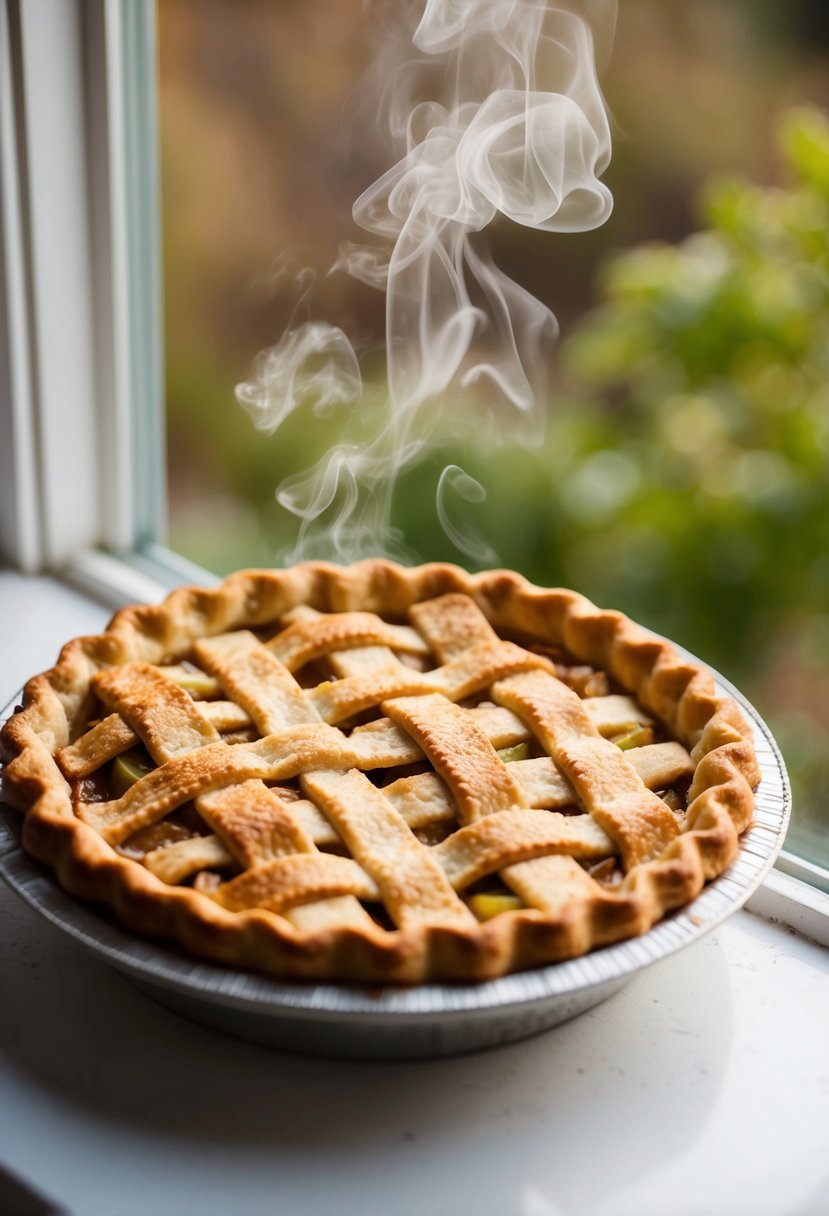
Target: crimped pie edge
<point x="681" y="693"/>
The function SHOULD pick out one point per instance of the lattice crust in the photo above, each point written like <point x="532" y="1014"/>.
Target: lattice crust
<point x="340" y="771"/>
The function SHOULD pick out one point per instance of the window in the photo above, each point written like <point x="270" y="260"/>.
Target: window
<point x="81" y="428"/>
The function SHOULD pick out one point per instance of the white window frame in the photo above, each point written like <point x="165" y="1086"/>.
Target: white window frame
<point x="81" y="375"/>
<point x="65" y="241"/>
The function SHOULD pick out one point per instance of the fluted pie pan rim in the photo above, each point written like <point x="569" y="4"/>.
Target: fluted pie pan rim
<point x="348" y="1020"/>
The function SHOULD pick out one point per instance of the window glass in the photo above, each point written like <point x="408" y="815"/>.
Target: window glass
<point x="682" y="473"/>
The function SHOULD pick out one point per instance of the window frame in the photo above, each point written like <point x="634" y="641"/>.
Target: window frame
<point x="81" y="414"/>
<point x="81" y="364"/>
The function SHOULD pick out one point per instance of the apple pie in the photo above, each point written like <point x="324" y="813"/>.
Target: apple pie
<point x="380" y="774"/>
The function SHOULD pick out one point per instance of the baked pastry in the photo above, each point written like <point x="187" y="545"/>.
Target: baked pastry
<point x="382" y="774"/>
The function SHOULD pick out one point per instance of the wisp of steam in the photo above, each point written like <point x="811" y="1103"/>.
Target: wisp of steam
<point x="492" y="107"/>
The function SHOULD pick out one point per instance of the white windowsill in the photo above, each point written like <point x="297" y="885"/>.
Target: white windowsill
<point x="795" y="904"/>
<point x="701" y="1087"/>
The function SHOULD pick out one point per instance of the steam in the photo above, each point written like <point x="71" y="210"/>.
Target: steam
<point x="453" y="480"/>
<point x="498" y="112"/>
<point x="316" y="362"/>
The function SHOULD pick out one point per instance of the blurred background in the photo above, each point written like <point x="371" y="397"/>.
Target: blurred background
<point x="684" y="477"/>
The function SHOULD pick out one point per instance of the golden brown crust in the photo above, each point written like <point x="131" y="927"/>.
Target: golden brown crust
<point x="581" y="916"/>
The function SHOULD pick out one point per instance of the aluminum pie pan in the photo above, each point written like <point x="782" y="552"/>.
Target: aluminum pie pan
<point x="393" y="1022"/>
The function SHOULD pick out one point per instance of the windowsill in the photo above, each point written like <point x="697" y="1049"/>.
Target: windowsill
<point x="677" y="1081"/>
<point x="795" y="904"/>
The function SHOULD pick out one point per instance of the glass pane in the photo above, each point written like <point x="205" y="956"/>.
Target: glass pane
<point x="682" y="476"/>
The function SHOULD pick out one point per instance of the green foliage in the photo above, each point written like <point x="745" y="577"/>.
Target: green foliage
<point x="712" y="358"/>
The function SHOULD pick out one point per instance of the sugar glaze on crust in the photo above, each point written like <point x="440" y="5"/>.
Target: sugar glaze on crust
<point x="433" y="937"/>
